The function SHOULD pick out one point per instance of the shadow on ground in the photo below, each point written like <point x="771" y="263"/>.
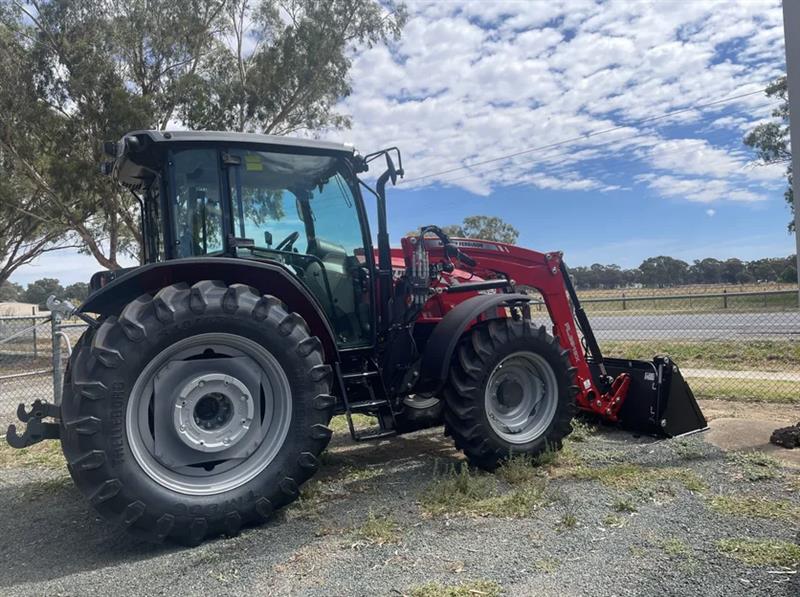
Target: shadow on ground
<point x="51" y="531"/>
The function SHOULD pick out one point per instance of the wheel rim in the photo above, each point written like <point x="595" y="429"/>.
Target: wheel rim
<point x="521" y="397"/>
<point x="420" y="401"/>
<point x="209" y="413"/>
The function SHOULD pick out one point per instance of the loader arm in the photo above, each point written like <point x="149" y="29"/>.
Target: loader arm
<point x="646" y="396"/>
<point x="547" y="273"/>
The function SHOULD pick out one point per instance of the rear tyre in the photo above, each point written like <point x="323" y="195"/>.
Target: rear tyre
<point x="196" y="412"/>
<point x="510" y="391"/>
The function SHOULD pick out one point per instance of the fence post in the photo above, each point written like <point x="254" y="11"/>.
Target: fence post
<point x="724" y="298"/>
<point x="33" y="323"/>
<point x="624" y="303"/>
<point x="55" y="336"/>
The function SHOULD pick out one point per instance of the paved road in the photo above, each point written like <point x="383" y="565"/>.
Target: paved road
<point x="705" y="326"/>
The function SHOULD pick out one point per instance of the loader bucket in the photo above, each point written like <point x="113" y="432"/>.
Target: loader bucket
<point x="659" y="401"/>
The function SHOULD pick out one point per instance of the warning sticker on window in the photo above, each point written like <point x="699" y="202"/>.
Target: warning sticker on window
<point x="253" y="163"/>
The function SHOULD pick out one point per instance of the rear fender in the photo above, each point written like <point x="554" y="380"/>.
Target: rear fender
<point x="267" y="278"/>
<point x="442" y="342"/>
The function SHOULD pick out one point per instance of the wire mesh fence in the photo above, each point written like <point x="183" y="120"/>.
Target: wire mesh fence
<point x="32" y="351"/>
<point x="729" y="345"/>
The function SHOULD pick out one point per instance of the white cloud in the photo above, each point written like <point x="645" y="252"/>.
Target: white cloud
<point x="699" y="190"/>
<point x="472" y="80"/>
<point x="711" y="212"/>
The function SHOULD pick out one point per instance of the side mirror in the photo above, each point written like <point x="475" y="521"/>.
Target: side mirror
<point x="268" y="238"/>
<point x="391" y="169"/>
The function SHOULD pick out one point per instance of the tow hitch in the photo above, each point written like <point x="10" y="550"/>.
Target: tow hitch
<point x="36" y="429"/>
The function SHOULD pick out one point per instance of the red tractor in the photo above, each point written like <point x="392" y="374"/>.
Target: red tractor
<point x="198" y="399"/>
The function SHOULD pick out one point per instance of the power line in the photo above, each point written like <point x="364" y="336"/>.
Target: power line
<point x="585" y="136"/>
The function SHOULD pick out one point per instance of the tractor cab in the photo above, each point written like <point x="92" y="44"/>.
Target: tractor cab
<point x="258" y="197"/>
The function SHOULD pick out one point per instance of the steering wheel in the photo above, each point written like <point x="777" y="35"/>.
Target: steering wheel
<point x="286" y="243"/>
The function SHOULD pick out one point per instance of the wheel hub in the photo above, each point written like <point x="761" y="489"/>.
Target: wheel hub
<point x="213" y="412"/>
<point x="521" y="397"/>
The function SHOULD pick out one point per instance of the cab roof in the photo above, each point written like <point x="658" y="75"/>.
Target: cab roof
<point x="139" y="155"/>
<point x="239" y="138"/>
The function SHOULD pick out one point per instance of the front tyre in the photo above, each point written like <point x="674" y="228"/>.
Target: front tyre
<point x="510" y="391"/>
<point x="196" y="412"/>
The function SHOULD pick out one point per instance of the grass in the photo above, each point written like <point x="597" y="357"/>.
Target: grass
<point x="700" y="300"/>
<point x="685" y="289"/>
<point x="687" y="449"/>
<point x="675" y="548"/>
<point x="358" y="474"/>
<point x="761" y="552"/>
<point x="378" y="530"/>
<point x="547" y="565"/>
<point x="47" y="487"/>
<point x="464" y="492"/>
<point x="638" y="479"/>
<point x="623" y="505"/>
<point x="729" y="355"/>
<point x="311" y="498"/>
<point x="519" y="469"/>
<point x="581" y="430"/>
<point x="568" y="521"/>
<point x="613" y="521"/>
<point x="745" y="390"/>
<point x="755" y="507"/>
<point x="473" y="588"/>
<point x="45" y="455"/>
<point x="756" y="466"/>
<point x="339" y="423"/>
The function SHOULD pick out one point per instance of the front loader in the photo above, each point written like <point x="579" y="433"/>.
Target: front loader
<point x="198" y="400"/>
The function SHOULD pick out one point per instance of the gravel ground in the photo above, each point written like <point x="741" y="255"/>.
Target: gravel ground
<point x="55" y="545"/>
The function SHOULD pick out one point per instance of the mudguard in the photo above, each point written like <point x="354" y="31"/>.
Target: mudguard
<point x="443" y="340"/>
<point x="268" y="278"/>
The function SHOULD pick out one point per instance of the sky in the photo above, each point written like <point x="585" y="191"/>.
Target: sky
<point x="472" y="81"/>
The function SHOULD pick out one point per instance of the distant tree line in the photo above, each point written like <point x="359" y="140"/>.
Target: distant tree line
<point x="37" y="292"/>
<point x="664" y="271"/>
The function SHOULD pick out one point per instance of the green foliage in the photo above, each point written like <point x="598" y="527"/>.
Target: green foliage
<point x="77" y="291"/>
<point x="480" y="228"/>
<point x="771" y="139"/>
<point x="76" y="73"/>
<point x="10" y="292"/>
<point x="664" y="271"/>
<point x="38" y="291"/>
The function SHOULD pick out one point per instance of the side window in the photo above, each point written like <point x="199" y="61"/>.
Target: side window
<point x="197" y="213"/>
